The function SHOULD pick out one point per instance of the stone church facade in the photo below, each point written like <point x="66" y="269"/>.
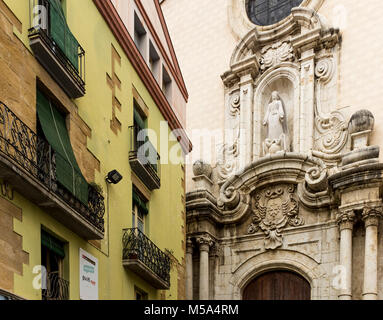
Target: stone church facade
<point x="291" y="206"/>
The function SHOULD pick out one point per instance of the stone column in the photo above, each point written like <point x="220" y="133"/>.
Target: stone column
<point x="205" y="242"/>
<point x="189" y="269"/>
<point x="370" y="284"/>
<point x="346" y="222"/>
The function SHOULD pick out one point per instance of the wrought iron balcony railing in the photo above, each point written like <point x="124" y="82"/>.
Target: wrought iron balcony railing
<point x="55" y="288"/>
<point x="144" y="159"/>
<point x="50" y="37"/>
<point x="5" y="295"/>
<point x="138" y="248"/>
<point x="24" y="148"/>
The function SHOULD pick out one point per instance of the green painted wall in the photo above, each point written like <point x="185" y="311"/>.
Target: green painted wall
<point x="95" y="108"/>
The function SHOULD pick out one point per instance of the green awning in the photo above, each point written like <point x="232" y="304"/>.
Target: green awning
<point x="61" y="33"/>
<point x="140" y="203"/>
<point x="67" y="170"/>
<point x="52" y="244"/>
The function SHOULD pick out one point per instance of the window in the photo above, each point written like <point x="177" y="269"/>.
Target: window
<point x="139" y="210"/>
<point x="267" y="12"/>
<point x="154" y="61"/>
<point x="166" y="84"/>
<point x="140" y="294"/>
<point x="54" y="287"/>
<point x="140" y="36"/>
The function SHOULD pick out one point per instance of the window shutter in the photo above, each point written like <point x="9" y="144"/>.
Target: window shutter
<point x="55" y="131"/>
<point x="52" y="244"/>
<point x="61" y="33"/>
<point x="140" y="203"/>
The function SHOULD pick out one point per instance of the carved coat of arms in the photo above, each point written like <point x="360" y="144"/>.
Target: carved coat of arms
<point x="273" y="209"/>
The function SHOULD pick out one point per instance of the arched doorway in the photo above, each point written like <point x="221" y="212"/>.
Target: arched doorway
<point x="278" y="285"/>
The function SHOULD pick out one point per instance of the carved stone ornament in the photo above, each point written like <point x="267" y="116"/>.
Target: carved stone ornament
<point x="235" y="104"/>
<point x="275" y="54"/>
<point x="202" y="168"/>
<point x="273" y="209"/>
<point x="205" y="241"/>
<point x="277" y="138"/>
<point x="332" y="132"/>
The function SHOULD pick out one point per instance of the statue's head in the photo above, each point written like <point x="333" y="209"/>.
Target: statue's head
<point x="275" y="95"/>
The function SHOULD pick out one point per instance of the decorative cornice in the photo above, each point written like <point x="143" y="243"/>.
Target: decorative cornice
<point x="113" y="20"/>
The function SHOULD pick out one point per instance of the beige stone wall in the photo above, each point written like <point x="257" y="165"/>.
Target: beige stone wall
<point x="204" y="43"/>
<point x="12" y="256"/>
<point x="361" y="57"/>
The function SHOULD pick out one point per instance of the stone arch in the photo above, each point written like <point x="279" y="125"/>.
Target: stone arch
<point x="280" y="259"/>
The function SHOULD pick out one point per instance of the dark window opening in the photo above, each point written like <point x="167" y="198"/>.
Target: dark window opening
<point x="267" y="12"/>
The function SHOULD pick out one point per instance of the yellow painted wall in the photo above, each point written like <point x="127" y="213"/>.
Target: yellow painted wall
<point x="95" y="108"/>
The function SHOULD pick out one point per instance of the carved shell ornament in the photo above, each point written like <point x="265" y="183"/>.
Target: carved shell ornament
<point x="274" y="209"/>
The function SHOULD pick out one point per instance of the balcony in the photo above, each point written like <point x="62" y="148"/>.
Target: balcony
<point x="55" y="288"/>
<point x="28" y="162"/>
<point x="56" y="48"/>
<point x="143" y="257"/>
<point x="144" y="160"/>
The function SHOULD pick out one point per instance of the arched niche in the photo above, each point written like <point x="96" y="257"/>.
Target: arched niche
<point x="284" y="80"/>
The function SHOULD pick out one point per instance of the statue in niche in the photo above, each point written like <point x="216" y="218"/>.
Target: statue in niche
<point x="277" y="138"/>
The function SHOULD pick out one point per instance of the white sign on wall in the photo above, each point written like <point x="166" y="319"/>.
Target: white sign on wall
<point x="88" y="276"/>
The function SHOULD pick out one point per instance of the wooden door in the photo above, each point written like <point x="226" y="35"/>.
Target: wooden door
<point x="278" y="285"/>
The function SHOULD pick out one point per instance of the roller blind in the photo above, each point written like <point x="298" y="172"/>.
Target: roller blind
<point x="67" y="170"/>
<point x="61" y="33"/>
<point x="140" y="203"/>
<point x="52" y="244"/>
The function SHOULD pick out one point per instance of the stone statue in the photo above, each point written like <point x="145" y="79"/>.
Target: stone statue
<point x="277" y="138"/>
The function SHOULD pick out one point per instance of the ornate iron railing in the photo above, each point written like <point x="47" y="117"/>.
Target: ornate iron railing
<point x="55" y="288"/>
<point x="138" y="246"/>
<point x="40" y="25"/>
<point x="34" y="154"/>
<point x="144" y="151"/>
<point x="5" y="295"/>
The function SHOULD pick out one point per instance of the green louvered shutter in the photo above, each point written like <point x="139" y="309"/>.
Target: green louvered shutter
<point x="61" y="33"/>
<point x="67" y="170"/>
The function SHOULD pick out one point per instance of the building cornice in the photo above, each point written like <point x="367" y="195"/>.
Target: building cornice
<point x="113" y="20"/>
